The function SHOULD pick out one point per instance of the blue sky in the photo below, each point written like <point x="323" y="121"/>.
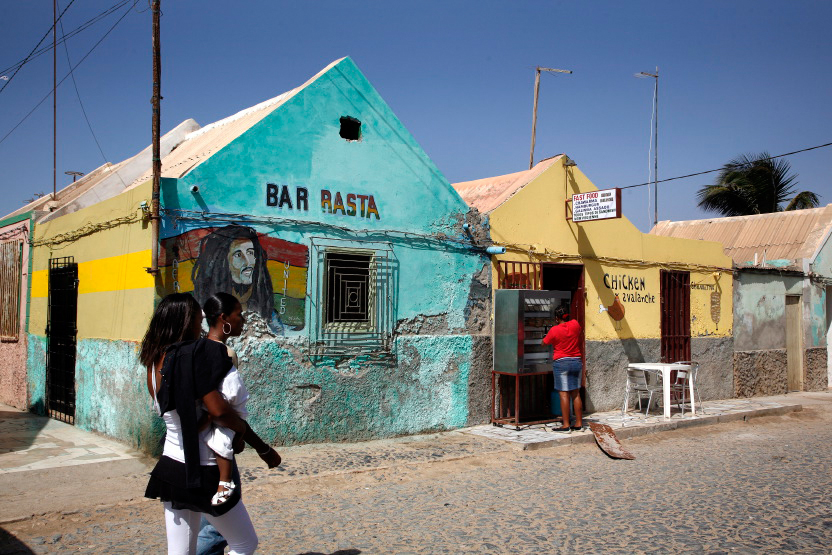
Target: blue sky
<point x="736" y="77"/>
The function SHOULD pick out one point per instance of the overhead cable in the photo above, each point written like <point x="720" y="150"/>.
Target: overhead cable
<point x="67" y="36"/>
<point x="29" y="57"/>
<point x="42" y="100"/>
<point x="720" y="169"/>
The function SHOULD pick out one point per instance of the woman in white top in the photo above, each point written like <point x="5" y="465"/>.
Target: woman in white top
<point x="183" y="377"/>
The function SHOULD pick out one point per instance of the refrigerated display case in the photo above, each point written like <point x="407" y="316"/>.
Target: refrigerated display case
<point x="521" y="381"/>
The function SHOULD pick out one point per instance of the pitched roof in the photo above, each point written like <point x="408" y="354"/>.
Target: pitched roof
<point x="791" y="235"/>
<point x="488" y="193"/>
<point x="182" y="149"/>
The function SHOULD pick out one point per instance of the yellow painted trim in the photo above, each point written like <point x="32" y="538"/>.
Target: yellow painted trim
<point x="114" y="273"/>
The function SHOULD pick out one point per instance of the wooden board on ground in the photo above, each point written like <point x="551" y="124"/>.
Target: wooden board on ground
<point x="606" y="440"/>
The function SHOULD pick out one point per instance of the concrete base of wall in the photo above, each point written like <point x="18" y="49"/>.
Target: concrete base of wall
<point x="760" y="373"/>
<point x="766" y="372"/>
<point x="606" y="363"/>
<point x="479" y="381"/>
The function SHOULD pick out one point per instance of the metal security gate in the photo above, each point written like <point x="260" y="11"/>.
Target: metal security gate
<point x="675" y="317"/>
<point x="61" y="334"/>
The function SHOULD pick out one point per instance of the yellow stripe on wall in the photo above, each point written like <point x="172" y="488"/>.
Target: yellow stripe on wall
<point x="115" y="273"/>
<point x="295" y="285"/>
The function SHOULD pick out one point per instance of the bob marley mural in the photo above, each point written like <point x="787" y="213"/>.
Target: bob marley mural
<point x="267" y="274"/>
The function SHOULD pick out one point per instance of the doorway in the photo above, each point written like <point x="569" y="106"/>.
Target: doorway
<point x="61" y="336"/>
<point x="794" y="343"/>
<point x="675" y="315"/>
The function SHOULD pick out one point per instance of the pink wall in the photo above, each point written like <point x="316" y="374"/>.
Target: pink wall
<point x="13" y="353"/>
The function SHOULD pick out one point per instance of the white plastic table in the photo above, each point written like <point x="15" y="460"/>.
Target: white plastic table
<point x="665" y="368"/>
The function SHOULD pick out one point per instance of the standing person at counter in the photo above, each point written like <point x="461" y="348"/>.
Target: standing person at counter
<point x="565" y="337"/>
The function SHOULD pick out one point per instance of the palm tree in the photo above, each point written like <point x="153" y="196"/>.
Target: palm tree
<point x="755" y="184"/>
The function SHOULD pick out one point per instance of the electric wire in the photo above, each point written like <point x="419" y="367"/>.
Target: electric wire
<point x="83" y="110"/>
<point x="720" y="169"/>
<point x="67" y="36"/>
<point x="42" y="100"/>
<point x="29" y="57"/>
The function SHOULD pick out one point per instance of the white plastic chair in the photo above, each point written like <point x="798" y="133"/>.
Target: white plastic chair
<point x="679" y="387"/>
<point x="638" y="381"/>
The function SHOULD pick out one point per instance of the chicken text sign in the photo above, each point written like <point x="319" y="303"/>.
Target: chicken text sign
<point x="596" y="205"/>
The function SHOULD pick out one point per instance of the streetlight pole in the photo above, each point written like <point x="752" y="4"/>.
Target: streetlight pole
<point x="157" y="157"/>
<point x="534" y="109"/>
<point x="655" y="76"/>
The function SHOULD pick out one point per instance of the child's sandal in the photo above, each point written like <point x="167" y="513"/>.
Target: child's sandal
<point x="222" y="496"/>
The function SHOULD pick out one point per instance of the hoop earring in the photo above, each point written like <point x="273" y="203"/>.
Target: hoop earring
<point x="229" y="328"/>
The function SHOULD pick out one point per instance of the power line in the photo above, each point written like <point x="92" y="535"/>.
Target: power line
<point x="81" y="103"/>
<point x="27" y="58"/>
<point x="42" y="100"/>
<point x="720" y="169"/>
<point x="67" y="36"/>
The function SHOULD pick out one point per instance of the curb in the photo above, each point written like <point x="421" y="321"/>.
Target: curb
<point x="577" y="438"/>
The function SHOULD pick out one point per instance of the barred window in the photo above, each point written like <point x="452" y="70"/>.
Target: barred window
<point x="353" y="307"/>
<point x="349" y="289"/>
<point x="11" y="254"/>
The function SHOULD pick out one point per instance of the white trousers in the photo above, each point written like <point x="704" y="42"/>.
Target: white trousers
<point x="235" y="526"/>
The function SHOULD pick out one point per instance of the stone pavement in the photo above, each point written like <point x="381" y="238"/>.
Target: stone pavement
<point x="31" y="442"/>
<point x="635" y="423"/>
<point x="741" y="486"/>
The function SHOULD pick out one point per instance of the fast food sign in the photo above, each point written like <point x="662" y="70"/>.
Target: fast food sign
<point x="596" y="205"/>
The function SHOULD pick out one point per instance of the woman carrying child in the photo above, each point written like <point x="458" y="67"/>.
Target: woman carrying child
<point x="185" y="374"/>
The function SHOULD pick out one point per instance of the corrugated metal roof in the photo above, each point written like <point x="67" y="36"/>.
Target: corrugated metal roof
<point x="488" y="193"/>
<point x="187" y="146"/>
<point x="791" y="235"/>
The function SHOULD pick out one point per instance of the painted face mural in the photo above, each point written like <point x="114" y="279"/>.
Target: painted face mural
<point x="241" y="260"/>
<point x="267" y="274"/>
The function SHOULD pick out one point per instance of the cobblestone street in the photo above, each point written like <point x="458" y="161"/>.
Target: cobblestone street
<point x="757" y="486"/>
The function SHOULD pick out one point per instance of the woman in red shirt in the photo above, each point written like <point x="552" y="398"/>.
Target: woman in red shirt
<point x="565" y="337"/>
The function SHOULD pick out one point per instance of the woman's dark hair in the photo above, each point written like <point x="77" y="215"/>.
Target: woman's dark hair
<point x="211" y="272"/>
<point x="172" y="322"/>
<point x="562" y="313"/>
<point x="219" y="303"/>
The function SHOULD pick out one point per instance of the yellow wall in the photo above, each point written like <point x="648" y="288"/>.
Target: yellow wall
<point x="533" y="226"/>
<point x="115" y="293"/>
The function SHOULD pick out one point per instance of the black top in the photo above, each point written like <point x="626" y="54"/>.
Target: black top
<point x="192" y="369"/>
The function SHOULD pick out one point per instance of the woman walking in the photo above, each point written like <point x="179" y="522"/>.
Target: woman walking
<point x="184" y="374"/>
<point x="565" y="337"/>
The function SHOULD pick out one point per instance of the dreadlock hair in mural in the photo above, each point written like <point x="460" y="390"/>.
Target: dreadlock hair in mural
<point x="232" y="259"/>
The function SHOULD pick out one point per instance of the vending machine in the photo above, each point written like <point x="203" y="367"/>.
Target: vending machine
<point x="521" y="382"/>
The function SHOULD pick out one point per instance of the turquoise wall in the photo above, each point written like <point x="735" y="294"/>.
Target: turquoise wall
<point x="439" y="366"/>
<point x="110" y="392"/>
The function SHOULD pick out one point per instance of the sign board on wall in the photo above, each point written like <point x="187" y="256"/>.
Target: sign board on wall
<point x="596" y="205"/>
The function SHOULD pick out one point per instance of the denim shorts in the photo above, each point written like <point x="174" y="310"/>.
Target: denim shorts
<point x="567" y="372"/>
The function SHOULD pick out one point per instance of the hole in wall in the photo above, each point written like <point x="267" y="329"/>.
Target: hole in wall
<point x="350" y="128"/>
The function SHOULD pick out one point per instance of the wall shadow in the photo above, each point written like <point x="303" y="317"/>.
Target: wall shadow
<point x="10" y="545"/>
<point x="19" y="430"/>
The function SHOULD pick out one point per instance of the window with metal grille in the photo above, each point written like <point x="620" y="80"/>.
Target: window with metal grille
<point x="348" y="289"/>
<point x="11" y="254"/>
<point x="354" y="304"/>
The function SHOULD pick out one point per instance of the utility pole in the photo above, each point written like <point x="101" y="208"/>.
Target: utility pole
<point x="655" y="76"/>
<point x="534" y="109"/>
<point x="157" y="159"/>
<point x="54" y="100"/>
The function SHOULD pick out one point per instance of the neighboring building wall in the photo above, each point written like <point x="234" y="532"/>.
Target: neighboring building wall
<point x="110" y="241"/>
<point x="619" y="261"/>
<point x="13" y="392"/>
<point x="760" y="364"/>
<point x="821" y="268"/>
<point x="433" y="371"/>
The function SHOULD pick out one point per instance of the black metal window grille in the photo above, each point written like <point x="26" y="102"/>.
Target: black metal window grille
<point x="349" y="289"/>
<point x="11" y="257"/>
<point x="61" y="335"/>
<point x="353" y="306"/>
